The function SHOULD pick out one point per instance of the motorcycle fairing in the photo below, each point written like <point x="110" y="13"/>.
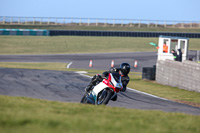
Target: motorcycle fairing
<point x="116" y="86"/>
<point x="98" y="88"/>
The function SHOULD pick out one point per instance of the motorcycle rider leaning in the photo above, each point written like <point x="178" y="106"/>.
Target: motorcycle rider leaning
<point x="124" y="69"/>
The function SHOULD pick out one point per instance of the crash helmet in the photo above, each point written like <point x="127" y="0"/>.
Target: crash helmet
<point x="125" y="68"/>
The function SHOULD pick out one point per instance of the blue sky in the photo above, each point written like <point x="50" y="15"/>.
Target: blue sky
<point x="187" y="10"/>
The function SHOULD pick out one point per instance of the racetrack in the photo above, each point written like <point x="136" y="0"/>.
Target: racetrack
<point x="100" y="61"/>
<point x="69" y="87"/>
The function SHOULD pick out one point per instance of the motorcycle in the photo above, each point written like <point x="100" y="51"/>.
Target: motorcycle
<point x="104" y="91"/>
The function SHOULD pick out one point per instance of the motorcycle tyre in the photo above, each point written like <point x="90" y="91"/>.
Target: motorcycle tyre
<point x="83" y="98"/>
<point x="107" y="99"/>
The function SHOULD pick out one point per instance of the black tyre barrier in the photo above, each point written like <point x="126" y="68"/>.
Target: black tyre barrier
<point x="149" y="73"/>
<point x="120" y="33"/>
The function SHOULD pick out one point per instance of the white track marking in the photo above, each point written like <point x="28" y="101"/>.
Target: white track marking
<point x="145" y="93"/>
<point x="83" y="74"/>
<point x="69" y="65"/>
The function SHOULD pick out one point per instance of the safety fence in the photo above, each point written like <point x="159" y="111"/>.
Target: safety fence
<point x="120" y="33"/>
<point x="35" y="32"/>
<point x="70" y="21"/>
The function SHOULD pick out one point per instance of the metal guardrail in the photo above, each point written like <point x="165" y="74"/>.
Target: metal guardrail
<point x="13" y="20"/>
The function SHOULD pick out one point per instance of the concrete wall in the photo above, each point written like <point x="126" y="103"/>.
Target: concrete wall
<point x="184" y="75"/>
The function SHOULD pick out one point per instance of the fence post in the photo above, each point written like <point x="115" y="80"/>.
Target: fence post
<point x="199" y="24"/>
<point x="56" y="21"/>
<point x="165" y="24"/>
<point x="40" y="21"/>
<point x="122" y="23"/>
<point x="131" y="21"/>
<point x="71" y="20"/>
<point x="182" y="24"/>
<point x="105" y="22"/>
<point x="4" y="20"/>
<point x="156" y="24"/>
<point x="113" y="22"/>
<point x="33" y="21"/>
<point x="18" y="20"/>
<point x="64" y="21"/>
<point x="198" y="55"/>
<point x="80" y="22"/>
<point x="88" y="22"/>
<point x="26" y="21"/>
<point x="48" y="21"/>
<point x="139" y="23"/>
<point x="96" y="22"/>
<point x="11" y="19"/>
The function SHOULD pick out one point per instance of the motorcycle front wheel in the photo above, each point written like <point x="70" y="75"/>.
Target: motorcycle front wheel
<point x="104" y="97"/>
<point x="84" y="99"/>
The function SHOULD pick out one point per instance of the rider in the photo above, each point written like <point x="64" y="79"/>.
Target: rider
<point x="124" y="69"/>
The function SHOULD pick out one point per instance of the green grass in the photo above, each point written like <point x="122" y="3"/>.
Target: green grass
<point x="22" y="115"/>
<point x="75" y="44"/>
<point x="136" y="82"/>
<point x="35" y="65"/>
<point x="168" y="92"/>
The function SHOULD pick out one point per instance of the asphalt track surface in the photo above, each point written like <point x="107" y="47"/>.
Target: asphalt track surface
<point x="101" y="61"/>
<point x="69" y="87"/>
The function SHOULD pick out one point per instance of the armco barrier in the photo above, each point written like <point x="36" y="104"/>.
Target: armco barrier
<point x="120" y="33"/>
<point x="24" y="32"/>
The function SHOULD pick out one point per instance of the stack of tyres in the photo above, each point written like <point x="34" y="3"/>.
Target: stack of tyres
<point x="148" y="73"/>
<point x="154" y="72"/>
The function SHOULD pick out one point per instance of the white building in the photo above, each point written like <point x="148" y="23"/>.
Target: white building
<point x="172" y="43"/>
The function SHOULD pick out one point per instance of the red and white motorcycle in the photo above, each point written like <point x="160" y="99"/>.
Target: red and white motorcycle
<point x="104" y="91"/>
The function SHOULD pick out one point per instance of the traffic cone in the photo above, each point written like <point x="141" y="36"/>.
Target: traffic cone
<point x="135" y="64"/>
<point x="112" y="63"/>
<point x="90" y="65"/>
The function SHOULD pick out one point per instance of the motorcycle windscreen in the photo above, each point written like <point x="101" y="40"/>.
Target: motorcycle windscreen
<point x="116" y="80"/>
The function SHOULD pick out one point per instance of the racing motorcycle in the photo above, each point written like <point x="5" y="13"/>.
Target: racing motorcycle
<point x="104" y="91"/>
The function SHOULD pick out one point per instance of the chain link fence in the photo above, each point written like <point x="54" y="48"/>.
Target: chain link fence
<point x="12" y="20"/>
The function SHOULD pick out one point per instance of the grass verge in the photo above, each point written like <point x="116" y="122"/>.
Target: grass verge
<point x="136" y="82"/>
<point x="21" y="115"/>
<point x="75" y="44"/>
